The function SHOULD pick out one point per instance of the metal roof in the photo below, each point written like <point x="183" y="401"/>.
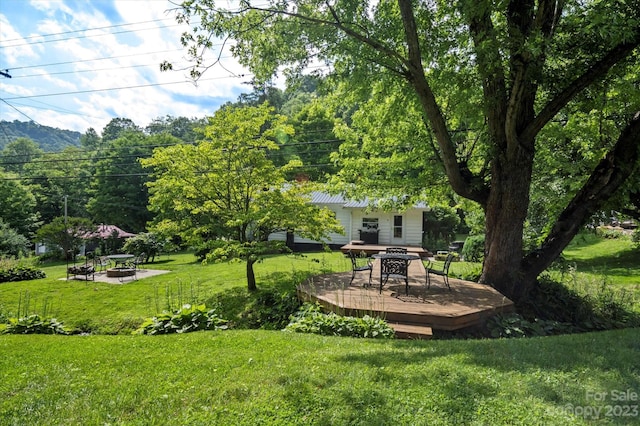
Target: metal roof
<point x="318" y="197"/>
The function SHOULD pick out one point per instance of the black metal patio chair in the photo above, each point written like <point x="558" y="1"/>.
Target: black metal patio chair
<point x="357" y="266"/>
<point x="394" y="268"/>
<point x="400" y="250"/>
<point x="444" y="272"/>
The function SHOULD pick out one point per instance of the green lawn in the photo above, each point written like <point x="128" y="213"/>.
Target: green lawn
<point x="272" y="377"/>
<point x="114" y="308"/>
<point x="610" y="259"/>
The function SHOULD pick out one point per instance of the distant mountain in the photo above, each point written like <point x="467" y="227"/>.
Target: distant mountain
<point x="49" y="138"/>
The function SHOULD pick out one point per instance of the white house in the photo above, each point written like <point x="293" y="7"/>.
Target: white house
<point x="363" y="223"/>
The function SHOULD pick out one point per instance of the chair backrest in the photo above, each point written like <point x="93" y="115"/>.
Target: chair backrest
<point x="352" y="256"/>
<point x="391" y="266"/>
<point x="396" y="250"/>
<point x="447" y="263"/>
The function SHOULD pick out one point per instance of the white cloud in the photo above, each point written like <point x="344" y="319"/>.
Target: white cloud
<point x="142" y="34"/>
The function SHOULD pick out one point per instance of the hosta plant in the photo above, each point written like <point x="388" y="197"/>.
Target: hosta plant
<point x="183" y="320"/>
<point x="34" y="324"/>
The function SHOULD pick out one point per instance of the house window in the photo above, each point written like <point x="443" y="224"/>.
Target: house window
<point x="397" y="227"/>
<point x="369" y="224"/>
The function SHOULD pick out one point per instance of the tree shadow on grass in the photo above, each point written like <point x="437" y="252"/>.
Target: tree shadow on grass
<point x="555" y="371"/>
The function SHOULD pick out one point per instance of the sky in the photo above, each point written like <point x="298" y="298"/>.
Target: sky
<point x="77" y="64"/>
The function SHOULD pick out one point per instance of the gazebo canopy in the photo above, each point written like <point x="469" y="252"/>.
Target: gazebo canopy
<point x="106" y="231"/>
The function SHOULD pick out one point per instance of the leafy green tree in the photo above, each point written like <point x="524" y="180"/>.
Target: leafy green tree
<point x="17" y="153"/>
<point x="91" y="140"/>
<point x="12" y="243"/>
<point x="18" y="205"/>
<point x="180" y="127"/>
<point x="471" y="87"/>
<point x="117" y="128"/>
<point x="119" y="195"/>
<point x="60" y="180"/>
<point x="226" y="194"/>
<point x="68" y="233"/>
<point x="148" y="243"/>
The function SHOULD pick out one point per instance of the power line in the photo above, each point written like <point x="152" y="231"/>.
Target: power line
<point x="90" y="29"/>
<point x="139" y="86"/>
<point x="30" y="119"/>
<point x="95" y="59"/>
<point x="87" y="36"/>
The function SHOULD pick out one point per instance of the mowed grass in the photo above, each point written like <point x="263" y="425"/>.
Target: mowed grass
<point x="249" y="377"/>
<point x="119" y="308"/>
<point x="273" y="377"/>
<point x="613" y="259"/>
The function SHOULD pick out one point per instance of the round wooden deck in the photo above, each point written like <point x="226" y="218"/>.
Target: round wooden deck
<point x="467" y="304"/>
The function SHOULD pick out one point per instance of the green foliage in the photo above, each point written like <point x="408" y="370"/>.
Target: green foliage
<point x="18" y="206"/>
<point x="33" y="324"/>
<point x="19" y="270"/>
<point x="148" y="243"/>
<point x="514" y="325"/>
<point x="440" y="223"/>
<point x="270" y="310"/>
<point x="68" y="233"/>
<point x="226" y="194"/>
<point x="12" y="243"/>
<point x="635" y="238"/>
<point x="609" y="232"/>
<point x="21" y="274"/>
<point x="310" y="319"/>
<point x="122" y="199"/>
<point x="604" y="310"/>
<point x="187" y="319"/>
<point x="473" y="250"/>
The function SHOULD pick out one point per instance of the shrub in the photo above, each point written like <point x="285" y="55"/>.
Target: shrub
<point x="33" y="324"/>
<point x="148" y="243"/>
<point x="18" y="270"/>
<point x="310" y="319"/>
<point x="514" y="325"/>
<point x="473" y="250"/>
<point x="11" y="242"/>
<point x="188" y="318"/>
<point x="609" y="232"/>
<point x="635" y="238"/>
<point x="271" y="309"/>
<point x="604" y="310"/>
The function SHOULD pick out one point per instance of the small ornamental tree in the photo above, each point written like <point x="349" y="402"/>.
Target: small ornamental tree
<point x="69" y="236"/>
<point x="225" y="193"/>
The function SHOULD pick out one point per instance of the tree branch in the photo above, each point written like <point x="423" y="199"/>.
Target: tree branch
<point x="595" y="72"/>
<point x="606" y="178"/>
<point x="460" y="182"/>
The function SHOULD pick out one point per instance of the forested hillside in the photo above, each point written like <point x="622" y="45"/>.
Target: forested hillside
<point x="48" y="138"/>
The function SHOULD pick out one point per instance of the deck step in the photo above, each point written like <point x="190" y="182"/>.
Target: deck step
<point x="411" y="331"/>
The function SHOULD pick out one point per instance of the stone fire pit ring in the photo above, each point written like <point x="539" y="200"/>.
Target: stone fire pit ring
<point x="120" y="272"/>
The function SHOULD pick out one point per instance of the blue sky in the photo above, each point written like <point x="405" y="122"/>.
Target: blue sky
<point x="77" y="64"/>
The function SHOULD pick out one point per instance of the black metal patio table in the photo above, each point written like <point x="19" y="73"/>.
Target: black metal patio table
<point x="395" y="265"/>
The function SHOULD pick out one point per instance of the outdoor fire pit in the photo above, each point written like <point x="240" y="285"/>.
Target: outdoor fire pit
<point x="120" y="272"/>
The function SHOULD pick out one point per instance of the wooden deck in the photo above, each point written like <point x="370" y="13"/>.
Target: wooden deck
<point x="370" y="249"/>
<point x="468" y="304"/>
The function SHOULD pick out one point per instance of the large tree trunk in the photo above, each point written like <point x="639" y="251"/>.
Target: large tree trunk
<point x="505" y="214"/>
<point x="251" y="276"/>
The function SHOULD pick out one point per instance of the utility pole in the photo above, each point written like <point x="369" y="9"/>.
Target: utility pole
<point x="5" y="73"/>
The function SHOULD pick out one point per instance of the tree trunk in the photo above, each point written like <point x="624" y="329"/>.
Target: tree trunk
<point x="251" y="277"/>
<point x="505" y="214"/>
